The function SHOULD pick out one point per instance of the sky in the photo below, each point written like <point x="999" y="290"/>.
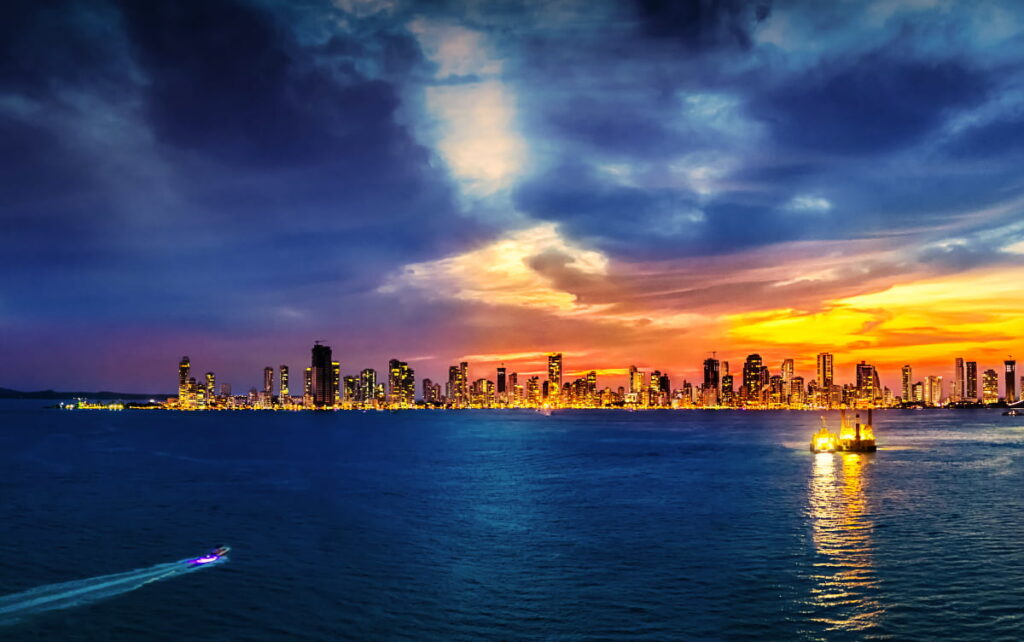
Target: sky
<point x="629" y="183"/>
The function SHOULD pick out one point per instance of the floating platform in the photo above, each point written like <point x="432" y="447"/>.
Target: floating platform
<point x="853" y="437"/>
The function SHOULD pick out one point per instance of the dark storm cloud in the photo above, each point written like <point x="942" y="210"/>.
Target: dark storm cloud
<point x="228" y="168"/>
<point x="876" y="103"/>
<point x="282" y="160"/>
<point x="703" y="24"/>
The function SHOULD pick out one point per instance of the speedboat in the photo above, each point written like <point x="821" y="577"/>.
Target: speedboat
<point x="215" y="555"/>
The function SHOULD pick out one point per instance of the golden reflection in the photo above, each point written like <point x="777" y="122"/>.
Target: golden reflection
<point x="842" y="597"/>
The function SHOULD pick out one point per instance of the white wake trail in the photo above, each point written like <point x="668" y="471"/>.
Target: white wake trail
<point x="63" y="595"/>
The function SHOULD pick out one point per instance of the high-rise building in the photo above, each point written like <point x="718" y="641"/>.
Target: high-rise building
<point x="502" y="390"/>
<point x="431" y="392"/>
<point x="787" y="370"/>
<point x="367" y="386"/>
<point x="401" y="384"/>
<point x="959" y="390"/>
<point x="867" y="383"/>
<point x="350" y="387"/>
<point x="906" y="383"/>
<point x="321" y="376"/>
<point x="712" y="381"/>
<point x="336" y="382"/>
<point x="211" y="385"/>
<point x="268" y="381"/>
<point x="990" y="387"/>
<point x="307" y="384"/>
<point x="554" y="373"/>
<point x="1011" y="380"/>
<point x="184" y="366"/>
<point x="727" y="392"/>
<point x="972" y="381"/>
<point x="825" y="372"/>
<point x="933" y="391"/>
<point x="284" y="392"/>
<point x="797" y="395"/>
<point x="636" y="385"/>
<point x="753" y="374"/>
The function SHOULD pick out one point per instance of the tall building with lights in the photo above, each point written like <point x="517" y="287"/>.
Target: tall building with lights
<point x="971" y="383"/>
<point x="867" y="382"/>
<point x="502" y="384"/>
<point x="990" y="387"/>
<point x="184" y="367"/>
<point x="336" y="382"/>
<point x="712" y="381"/>
<point x="554" y="373"/>
<point x="826" y="376"/>
<point x="321" y="374"/>
<point x="401" y="383"/>
<point x="284" y="392"/>
<point x="268" y="382"/>
<point x="906" y="383"/>
<point x="933" y="391"/>
<point x="959" y="390"/>
<point x="367" y="386"/>
<point x="752" y="379"/>
<point x="787" y="369"/>
<point x="1010" y="367"/>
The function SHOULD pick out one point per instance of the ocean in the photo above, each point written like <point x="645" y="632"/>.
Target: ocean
<point x="463" y="525"/>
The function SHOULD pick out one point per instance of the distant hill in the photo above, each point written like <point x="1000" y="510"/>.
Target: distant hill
<point x="7" y="393"/>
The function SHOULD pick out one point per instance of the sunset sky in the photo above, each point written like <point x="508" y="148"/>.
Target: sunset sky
<point x="628" y="183"/>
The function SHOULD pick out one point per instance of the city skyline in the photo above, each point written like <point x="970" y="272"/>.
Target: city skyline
<point x="753" y="384"/>
<point x="630" y="182"/>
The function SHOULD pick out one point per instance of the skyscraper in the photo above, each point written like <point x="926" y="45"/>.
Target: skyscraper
<point x="335" y="382"/>
<point x="752" y="376"/>
<point x="933" y="391"/>
<point x="554" y="373"/>
<point x="787" y="369"/>
<point x="712" y="381"/>
<point x="268" y="381"/>
<point x="1011" y="380"/>
<point x="971" y="390"/>
<point x="825" y="372"/>
<point x="867" y="382"/>
<point x="211" y="385"/>
<point x="350" y="389"/>
<point x="502" y="390"/>
<point x="990" y="387"/>
<point x="367" y="386"/>
<point x="307" y="384"/>
<point x="401" y="384"/>
<point x="184" y="366"/>
<point x="463" y="381"/>
<point x="321" y="376"/>
<point x="959" y="390"/>
<point x="284" y="392"/>
<point x="906" y="383"/>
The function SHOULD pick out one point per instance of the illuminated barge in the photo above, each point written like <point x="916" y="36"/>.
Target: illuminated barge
<point x="853" y="437"/>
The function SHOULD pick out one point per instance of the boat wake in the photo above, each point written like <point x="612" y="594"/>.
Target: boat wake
<point x="53" y="597"/>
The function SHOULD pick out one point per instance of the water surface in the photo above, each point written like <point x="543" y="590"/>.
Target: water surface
<point x="512" y="525"/>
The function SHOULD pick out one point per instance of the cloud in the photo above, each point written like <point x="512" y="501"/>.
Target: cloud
<point x="476" y="135"/>
<point x="809" y="203"/>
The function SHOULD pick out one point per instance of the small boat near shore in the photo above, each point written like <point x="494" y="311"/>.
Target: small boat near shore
<point x="853" y="437"/>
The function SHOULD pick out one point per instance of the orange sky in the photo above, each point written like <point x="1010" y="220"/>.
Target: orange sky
<point x="533" y="291"/>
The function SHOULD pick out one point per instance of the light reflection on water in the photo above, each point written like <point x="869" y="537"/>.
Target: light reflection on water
<point x="844" y="594"/>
